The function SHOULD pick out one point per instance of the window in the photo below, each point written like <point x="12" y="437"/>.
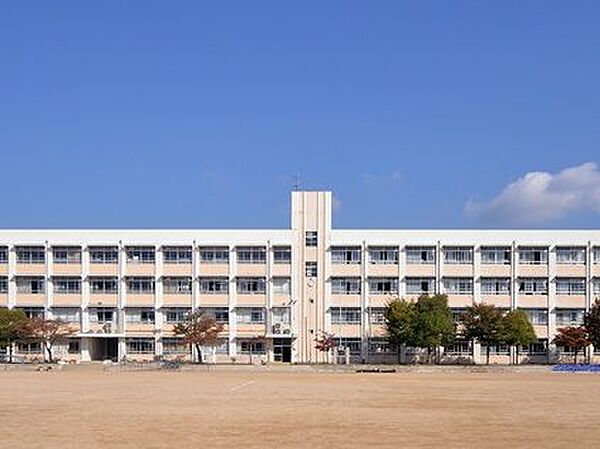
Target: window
<point x="458" y="255"/>
<point x="67" y="314"/>
<point x="251" y="347"/>
<point x="281" y="315"/>
<point x="177" y="285"/>
<point x="31" y="254"/>
<point x="3" y="254"/>
<point x="533" y="255"/>
<point x="176" y="314"/>
<point x="3" y="285"/>
<point x="214" y="286"/>
<point x="533" y="286"/>
<point x="345" y="255"/>
<point x="537" y="317"/>
<point x="569" y="317"/>
<point x="495" y="286"/>
<point x="33" y="312"/>
<point x="104" y="254"/>
<point x="140" y="345"/>
<point x="345" y="315"/>
<point x="597" y="286"/>
<point x="173" y="345"/>
<point x="420" y="286"/>
<point x="281" y="286"/>
<point x="377" y="315"/>
<point x="177" y="254"/>
<point x="66" y="254"/>
<point x="214" y="254"/>
<point x="495" y="255"/>
<point x="282" y="254"/>
<point x="420" y="255"/>
<point x="139" y="316"/>
<point x="596" y="253"/>
<point x="311" y="238"/>
<point x="30" y="285"/>
<point x="385" y="255"/>
<point x="102" y="315"/>
<point x="310" y="269"/>
<point x="250" y="315"/>
<point x="251" y="254"/>
<point x="458" y="313"/>
<point x="570" y="256"/>
<point x="220" y="314"/>
<point x="351" y="343"/>
<point x="570" y="286"/>
<point x="251" y="286"/>
<point x="538" y="348"/>
<point x="495" y="349"/>
<point x="459" y="348"/>
<point x="104" y="285"/>
<point x="73" y="346"/>
<point x="345" y="286"/>
<point x="67" y="285"/>
<point x="458" y="286"/>
<point x="29" y="348"/>
<point x="140" y="254"/>
<point x="383" y="286"/>
<point x="140" y="285"/>
<point x="380" y="345"/>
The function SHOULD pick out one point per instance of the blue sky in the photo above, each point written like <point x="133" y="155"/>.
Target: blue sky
<point x="190" y="114"/>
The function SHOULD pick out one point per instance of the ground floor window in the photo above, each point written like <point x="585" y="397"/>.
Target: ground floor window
<point x="538" y="348"/>
<point x="353" y="344"/>
<point x="495" y="349"/>
<point x="174" y="345"/>
<point x="29" y="348"/>
<point x="380" y="345"/>
<point x="254" y="347"/>
<point x="459" y="348"/>
<point x="140" y="346"/>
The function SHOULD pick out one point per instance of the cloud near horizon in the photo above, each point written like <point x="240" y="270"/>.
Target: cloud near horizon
<point x="540" y="197"/>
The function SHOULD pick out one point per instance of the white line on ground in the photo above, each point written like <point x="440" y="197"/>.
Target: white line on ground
<point x="242" y="385"/>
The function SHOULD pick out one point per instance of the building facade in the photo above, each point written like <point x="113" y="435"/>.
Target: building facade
<point x="275" y="291"/>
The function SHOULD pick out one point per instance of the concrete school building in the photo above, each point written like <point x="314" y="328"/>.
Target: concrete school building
<point x="276" y="290"/>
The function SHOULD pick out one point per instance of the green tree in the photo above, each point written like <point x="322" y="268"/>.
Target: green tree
<point x="517" y="330"/>
<point x="400" y="316"/>
<point x="434" y="326"/>
<point x="11" y="329"/>
<point x="483" y="323"/>
<point x="591" y="323"/>
<point x="198" y="330"/>
<point x="572" y="337"/>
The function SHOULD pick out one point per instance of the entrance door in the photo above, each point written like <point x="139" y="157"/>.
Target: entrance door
<point x="110" y="349"/>
<point x="282" y="350"/>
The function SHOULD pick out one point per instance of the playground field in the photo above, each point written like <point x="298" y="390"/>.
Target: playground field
<point x="90" y="408"/>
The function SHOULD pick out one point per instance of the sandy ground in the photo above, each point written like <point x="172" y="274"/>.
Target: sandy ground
<point x="89" y="408"/>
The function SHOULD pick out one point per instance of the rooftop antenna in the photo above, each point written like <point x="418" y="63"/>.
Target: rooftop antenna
<point x="297" y="183"/>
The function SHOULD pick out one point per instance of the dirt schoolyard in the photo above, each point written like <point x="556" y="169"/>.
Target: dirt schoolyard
<point x="87" y="407"/>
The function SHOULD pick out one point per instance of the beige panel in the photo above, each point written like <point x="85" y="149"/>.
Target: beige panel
<point x="177" y="269"/>
<point x="383" y="270"/>
<point x="67" y="269"/>
<point x="280" y="299"/>
<point x="250" y="330"/>
<point x="99" y="328"/>
<point x="378" y="330"/>
<point x="495" y="271"/>
<point x="282" y="270"/>
<point x="532" y="270"/>
<point x="139" y="328"/>
<point x="104" y="269"/>
<point x="103" y="300"/>
<point x="141" y="357"/>
<point x="3" y="300"/>
<point x="596" y="270"/>
<point x="420" y="270"/>
<point x="214" y="300"/>
<point x="345" y="300"/>
<point x="311" y="252"/>
<point x="139" y="300"/>
<point x="541" y="331"/>
<point x="571" y="270"/>
<point x="345" y="270"/>
<point x="539" y="301"/>
<point x="346" y="330"/>
<point x="140" y="269"/>
<point x="570" y="301"/>
<point x="252" y="270"/>
<point x="66" y="300"/>
<point x="502" y="301"/>
<point x="33" y="268"/>
<point x="173" y="300"/>
<point x="251" y="300"/>
<point x="380" y="300"/>
<point x="460" y="300"/>
<point x="31" y="300"/>
<point x="3" y="269"/>
<point x="457" y="270"/>
<point x="214" y="269"/>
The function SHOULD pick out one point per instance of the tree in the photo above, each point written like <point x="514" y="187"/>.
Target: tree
<point x="484" y="323"/>
<point x="325" y="342"/>
<point x="400" y="316"/>
<point x="11" y="322"/>
<point x="591" y="323"/>
<point x="434" y="326"/>
<point x="517" y="330"/>
<point x="47" y="332"/>
<point x="572" y="337"/>
<point x="198" y="330"/>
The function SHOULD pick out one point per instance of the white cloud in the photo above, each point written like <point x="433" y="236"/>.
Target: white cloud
<point x="540" y="197"/>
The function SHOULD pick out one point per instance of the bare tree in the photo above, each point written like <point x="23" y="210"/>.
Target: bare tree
<point x="47" y="332"/>
<point x="198" y="330"/>
<point x="325" y="342"/>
